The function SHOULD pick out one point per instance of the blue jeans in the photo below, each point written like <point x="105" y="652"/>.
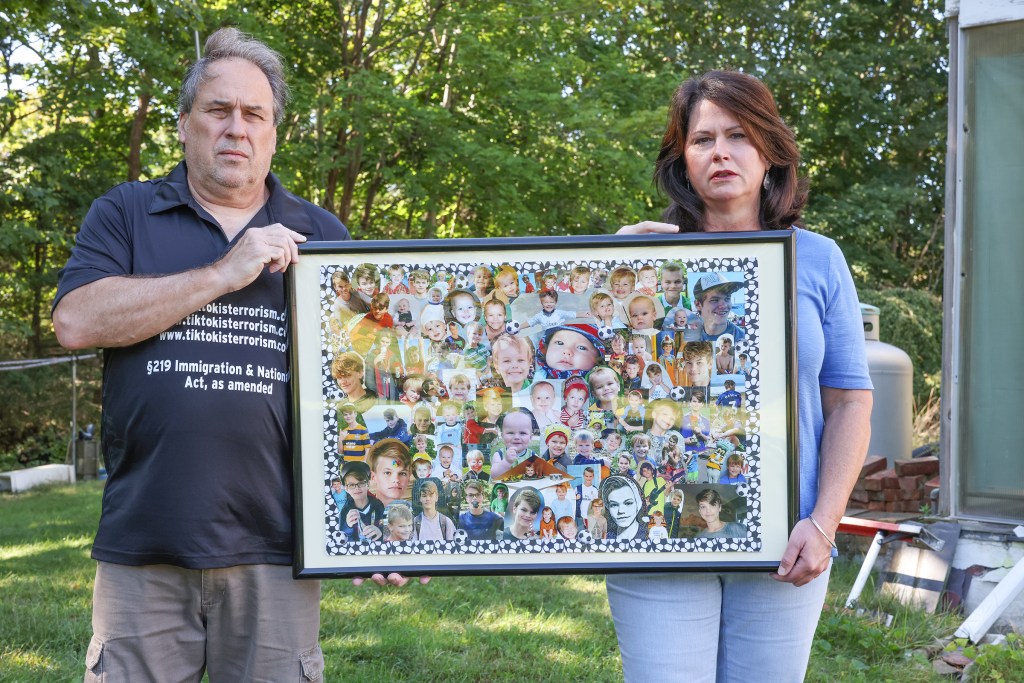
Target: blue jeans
<point x="714" y="627"/>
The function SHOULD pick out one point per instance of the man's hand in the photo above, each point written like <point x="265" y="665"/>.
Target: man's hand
<point x="648" y="228"/>
<point x="352" y="518"/>
<point x="392" y="579"/>
<point x="274" y="247"/>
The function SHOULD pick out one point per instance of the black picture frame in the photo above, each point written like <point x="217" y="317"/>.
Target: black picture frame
<point x="751" y="280"/>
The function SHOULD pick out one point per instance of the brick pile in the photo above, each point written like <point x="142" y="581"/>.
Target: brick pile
<point x="905" y="488"/>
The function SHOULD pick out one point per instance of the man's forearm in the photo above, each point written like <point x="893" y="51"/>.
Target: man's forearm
<point x="121" y="311"/>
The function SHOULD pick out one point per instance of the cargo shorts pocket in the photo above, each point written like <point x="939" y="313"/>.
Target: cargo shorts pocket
<point x="312" y="662"/>
<point x="94" y="661"/>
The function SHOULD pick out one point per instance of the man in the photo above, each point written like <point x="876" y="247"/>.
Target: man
<point x="395" y="429"/>
<point x="480" y="523"/>
<point x="712" y="297"/>
<point x="165" y="276"/>
<point x="673" y="273"/>
<point x="585" y="492"/>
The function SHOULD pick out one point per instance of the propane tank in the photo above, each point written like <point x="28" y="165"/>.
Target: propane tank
<point x="892" y="374"/>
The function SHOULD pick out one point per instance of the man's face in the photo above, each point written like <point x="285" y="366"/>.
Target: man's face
<point x="641" y="314"/>
<point x="419" y="285"/>
<point x="446" y="456"/>
<point x="229" y="136"/>
<point x="557" y="444"/>
<point x="584" y="447"/>
<point x="422" y="470"/>
<point x="547" y="303"/>
<point x="641" y="447"/>
<point x="451" y="414"/>
<point x="391" y="477"/>
<point x="580" y="282"/>
<point x="588" y="478"/>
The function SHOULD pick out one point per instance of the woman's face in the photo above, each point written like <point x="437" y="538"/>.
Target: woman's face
<point x="623" y="506"/>
<point x="722" y="164"/>
<point x="708" y="511"/>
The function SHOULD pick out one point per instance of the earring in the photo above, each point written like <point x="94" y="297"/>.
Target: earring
<point x="766" y="183"/>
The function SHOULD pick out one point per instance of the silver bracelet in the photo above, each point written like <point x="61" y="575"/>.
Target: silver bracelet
<point x="835" y="548"/>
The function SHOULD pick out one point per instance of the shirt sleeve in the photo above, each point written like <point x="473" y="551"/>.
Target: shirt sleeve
<point x="844" y="365"/>
<point x="103" y="248"/>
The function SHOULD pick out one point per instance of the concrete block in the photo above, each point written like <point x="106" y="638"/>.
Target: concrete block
<point x="16" y="481"/>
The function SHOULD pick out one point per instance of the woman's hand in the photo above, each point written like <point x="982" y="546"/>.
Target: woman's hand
<point x="392" y="579"/>
<point x="648" y="228"/>
<point x="807" y="555"/>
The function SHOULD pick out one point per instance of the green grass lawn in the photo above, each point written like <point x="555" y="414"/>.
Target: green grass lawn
<point x="454" y="629"/>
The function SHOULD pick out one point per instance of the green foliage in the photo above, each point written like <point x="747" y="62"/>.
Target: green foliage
<point x="912" y="321"/>
<point x="440" y="119"/>
<point x="999" y="663"/>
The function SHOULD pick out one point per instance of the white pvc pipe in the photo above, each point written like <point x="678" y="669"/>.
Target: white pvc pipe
<point x="984" y="615"/>
<point x="865" y="570"/>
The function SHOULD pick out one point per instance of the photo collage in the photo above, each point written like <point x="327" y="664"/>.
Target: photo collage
<point x="540" y="406"/>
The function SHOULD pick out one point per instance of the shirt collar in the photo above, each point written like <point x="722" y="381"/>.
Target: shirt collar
<point x="285" y="208"/>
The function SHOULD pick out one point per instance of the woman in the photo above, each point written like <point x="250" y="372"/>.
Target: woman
<point x="729" y="163"/>
<point x="624" y="508"/>
<point x="709" y="507"/>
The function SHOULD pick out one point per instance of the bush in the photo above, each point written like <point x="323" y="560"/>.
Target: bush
<point x="912" y="320"/>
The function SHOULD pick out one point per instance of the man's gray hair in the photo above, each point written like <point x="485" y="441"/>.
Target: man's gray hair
<point x="230" y="42"/>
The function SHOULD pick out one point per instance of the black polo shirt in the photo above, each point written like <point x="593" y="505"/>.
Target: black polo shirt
<point x="196" y="433"/>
